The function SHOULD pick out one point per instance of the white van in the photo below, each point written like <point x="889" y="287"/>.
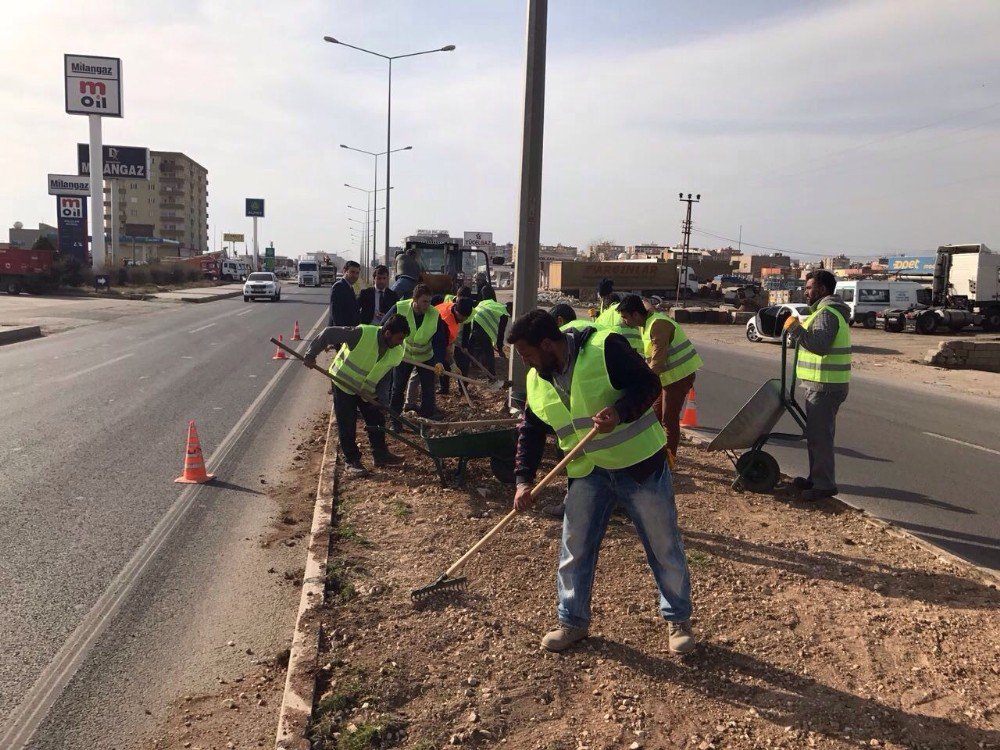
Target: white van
<point x="868" y="298"/>
<point x="232" y="270"/>
<point x="308" y="273"/>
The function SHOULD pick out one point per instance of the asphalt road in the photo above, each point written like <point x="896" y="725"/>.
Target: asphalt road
<point x="928" y="462"/>
<point x="94" y="427"/>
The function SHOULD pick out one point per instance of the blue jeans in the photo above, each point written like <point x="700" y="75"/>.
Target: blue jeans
<point x="403" y="286"/>
<point x="589" y="504"/>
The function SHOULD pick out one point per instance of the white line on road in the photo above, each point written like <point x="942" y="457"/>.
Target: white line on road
<point x="31" y="712"/>
<point x="962" y="442"/>
<point x="78" y="373"/>
<point x="245" y="312"/>
<point x="202" y="328"/>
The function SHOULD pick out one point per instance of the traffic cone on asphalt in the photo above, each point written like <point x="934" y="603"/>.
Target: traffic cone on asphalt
<point x="194" y="462"/>
<point x="295" y="332"/>
<point x="279" y="353"/>
<point x="690" y="416"/>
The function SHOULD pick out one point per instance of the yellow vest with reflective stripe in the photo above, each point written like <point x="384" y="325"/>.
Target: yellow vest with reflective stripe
<point x="591" y="391"/>
<point x="417" y="346"/>
<point x="682" y="359"/>
<point x="487" y="315"/>
<point x="834" y="367"/>
<point x="359" y="370"/>
<point x="578" y="325"/>
<point x="609" y="317"/>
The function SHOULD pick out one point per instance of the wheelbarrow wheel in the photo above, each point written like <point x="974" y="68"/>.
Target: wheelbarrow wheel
<point x="757" y="471"/>
<point x="503" y="470"/>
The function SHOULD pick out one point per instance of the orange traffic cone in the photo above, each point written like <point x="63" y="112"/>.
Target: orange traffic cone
<point x="279" y="353"/>
<point x="194" y="462"/>
<point x="690" y="416"/>
<point x="295" y="332"/>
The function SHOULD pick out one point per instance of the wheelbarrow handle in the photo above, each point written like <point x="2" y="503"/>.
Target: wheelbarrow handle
<point x="546" y="480"/>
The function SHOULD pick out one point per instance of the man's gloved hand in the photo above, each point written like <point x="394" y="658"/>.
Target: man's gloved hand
<point x="791" y="323"/>
<point x="522" y="498"/>
<point x="592" y="312"/>
<point x="439" y="369"/>
<point x="309" y="361"/>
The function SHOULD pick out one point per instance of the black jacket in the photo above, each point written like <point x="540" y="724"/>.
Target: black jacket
<point x="343" y="305"/>
<point x="366" y="303"/>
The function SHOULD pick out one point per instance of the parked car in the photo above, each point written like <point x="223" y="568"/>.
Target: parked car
<point x="766" y="324"/>
<point x="262" y="285"/>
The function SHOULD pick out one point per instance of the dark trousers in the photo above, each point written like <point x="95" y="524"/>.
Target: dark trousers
<point x="668" y="409"/>
<point x="481" y="348"/>
<point x="346" y="407"/>
<point x="400" y="377"/>
<point x="821" y="428"/>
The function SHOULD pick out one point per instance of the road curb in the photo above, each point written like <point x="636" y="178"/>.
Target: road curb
<point x="990" y="577"/>
<point x="300" y="681"/>
<point x="207" y="297"/>
<point x="19" y="333"/>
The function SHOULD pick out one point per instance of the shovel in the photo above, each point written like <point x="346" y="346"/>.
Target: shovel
<point x="446" y="582"/>
<point x="494" y="386"/>
<point x="494" y="381"/>
<point x="344" y="386"/>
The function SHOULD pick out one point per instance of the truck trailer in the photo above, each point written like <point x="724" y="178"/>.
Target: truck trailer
<point x="24" y="270"/>
<point x="648" y="278"/>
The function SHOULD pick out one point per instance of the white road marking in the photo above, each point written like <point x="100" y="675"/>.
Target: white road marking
<point x="202" y="328"/>
<point x="24" y="721"/>
<point x="87" y="370"/>
<point x="245" y="312"/>
<point x="962" y="442"/>
<point x="186" y="357"/>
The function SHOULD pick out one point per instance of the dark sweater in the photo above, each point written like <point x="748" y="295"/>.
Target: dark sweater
<point x="628" y="373"/>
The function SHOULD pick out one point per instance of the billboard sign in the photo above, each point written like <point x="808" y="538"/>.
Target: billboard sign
<point x="72" y="226"/>
<point x="922" y="265"/>
<point x="478" y="238"/>
<point x="93" y="85"/>
<point x="232" y="237"/>
<point x="255" y="207"/>
<point x="269" y="258"/>
<point x="69" y="184"/>
<point x="131" y="162"/>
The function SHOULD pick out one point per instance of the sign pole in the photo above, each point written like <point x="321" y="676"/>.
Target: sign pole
<point x="255" y="252"/>
<point x="114" y="223"/>
<point x="97" y="193"/>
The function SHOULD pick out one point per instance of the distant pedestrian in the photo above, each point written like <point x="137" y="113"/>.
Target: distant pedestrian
<point x="823" y="364"/>
<point x="343" y="301"/>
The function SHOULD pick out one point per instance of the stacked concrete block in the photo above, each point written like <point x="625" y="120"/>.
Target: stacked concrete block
<point x="966" y="355"/>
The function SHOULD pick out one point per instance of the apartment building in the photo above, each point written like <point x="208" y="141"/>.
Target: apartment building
<point x="172" y="204"/>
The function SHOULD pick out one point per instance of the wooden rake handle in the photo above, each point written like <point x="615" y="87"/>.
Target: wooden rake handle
<point x="447" y="372"/>
<point x="546" y="480"/>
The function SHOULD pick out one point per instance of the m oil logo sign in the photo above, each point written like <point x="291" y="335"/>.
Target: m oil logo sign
<point x="70" y="208"/>
<point x="93" y="85"/>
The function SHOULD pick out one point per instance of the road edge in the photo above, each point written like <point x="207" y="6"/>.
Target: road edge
<point x="299" y="696"/>
<point x="20" y="333"/>
<point x="991" y="577"/>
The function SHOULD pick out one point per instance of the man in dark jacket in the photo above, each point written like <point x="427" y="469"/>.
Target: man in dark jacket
<point x="343" y="302"/>
<point x="374" y="303"/>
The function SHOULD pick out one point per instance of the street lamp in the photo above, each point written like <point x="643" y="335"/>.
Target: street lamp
<point x="388" y="120"/>
<point x="376" y="154"/>
<point x="370" y="200"/>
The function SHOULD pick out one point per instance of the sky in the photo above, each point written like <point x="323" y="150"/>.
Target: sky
<point x="866" y="127"/>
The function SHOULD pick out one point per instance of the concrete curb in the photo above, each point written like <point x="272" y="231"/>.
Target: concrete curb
<point x="990" y="577"/>
<point x="300" y="682"/>
<point x="206" y="298"/>
<point x="19" y="333"/>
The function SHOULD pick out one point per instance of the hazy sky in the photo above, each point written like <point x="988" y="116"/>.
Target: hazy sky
<point x="821" y="127"/>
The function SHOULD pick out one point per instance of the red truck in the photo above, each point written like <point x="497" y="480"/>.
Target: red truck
<point x="24" y="270"/>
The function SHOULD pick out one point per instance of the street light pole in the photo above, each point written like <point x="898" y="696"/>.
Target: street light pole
<point x="375" y="154"/>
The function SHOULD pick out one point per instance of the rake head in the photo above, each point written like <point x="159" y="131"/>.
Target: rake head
<point x="441" y="587"/>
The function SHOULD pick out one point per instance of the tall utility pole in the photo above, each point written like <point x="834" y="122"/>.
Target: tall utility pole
<point x="682" y="275"/>
<point x="530" y="208"/>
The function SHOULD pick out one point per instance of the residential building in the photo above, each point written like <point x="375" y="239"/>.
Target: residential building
<point x="172" y="204"/>
<point x="556" y="252"/>
<point x="649" y="250"/>
<point x="752" y="264"/>
<point x="836" y="263"/>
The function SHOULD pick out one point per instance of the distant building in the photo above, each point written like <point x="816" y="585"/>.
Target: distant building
<point x="23" y="238"/>
<point x="649" y="250"/>
<point x="172" y="204"/>
<point x="605" y="251"/>
<point x="836" y="263"/>
<point x="557" y="252"/>
<point x="752" y="264"/>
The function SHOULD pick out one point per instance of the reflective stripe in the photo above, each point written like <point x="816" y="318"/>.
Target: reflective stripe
<point x="347" y="363"/>
<point x="679" y="348"/>
<point x="583" y="423"/>
<point x="678" y="362"/>
<point x="840" y="350"/>
<point x="835" y="365"/>
<point x="564" y="432"/>
<point x="825" y="366"/>
<point x="627" y="432"/>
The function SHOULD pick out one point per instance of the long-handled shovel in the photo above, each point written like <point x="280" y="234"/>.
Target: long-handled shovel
<point x="494" y="386"/>
<point x="446" y="582"/>
<point x="494" y="381"/>
<point x="374" y="402"/>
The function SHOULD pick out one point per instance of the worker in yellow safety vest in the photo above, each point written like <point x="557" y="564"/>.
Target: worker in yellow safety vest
<point x="823" y="364"/>
<point x="580" y="379"/>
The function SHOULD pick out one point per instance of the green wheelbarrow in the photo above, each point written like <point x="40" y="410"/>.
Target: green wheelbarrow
<point x="498" y="445"/>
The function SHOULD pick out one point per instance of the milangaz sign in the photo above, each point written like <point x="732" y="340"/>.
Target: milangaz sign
<point x="93" y="85"/>
<point x="124" y="162"/>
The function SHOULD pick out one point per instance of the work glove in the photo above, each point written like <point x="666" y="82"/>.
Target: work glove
<point x="791" y="323"/>
<point x="506" y="350"/>
<point x="439" y="369"/>
<point x="309" y="361"/>
<point x="592" y="312"/>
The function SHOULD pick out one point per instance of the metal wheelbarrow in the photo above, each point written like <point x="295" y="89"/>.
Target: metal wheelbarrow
<point x="751" y="427"/>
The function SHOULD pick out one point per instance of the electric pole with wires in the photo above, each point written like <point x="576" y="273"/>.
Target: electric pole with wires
<point x="682" y="273"/>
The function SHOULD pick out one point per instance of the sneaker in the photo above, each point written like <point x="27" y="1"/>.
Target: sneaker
<point x="801" y="483"/>
<point x="680" y="637"/>
<point x="356" y="468"/>
<point x="388" y="459"/>
<point x="556" y="510"/>
<point x="814" y="494"/>
<point x="563" y="637"/>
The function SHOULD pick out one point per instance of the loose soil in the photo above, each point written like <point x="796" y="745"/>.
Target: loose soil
<point x="816" y="627"/>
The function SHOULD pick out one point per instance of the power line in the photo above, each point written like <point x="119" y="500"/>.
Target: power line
<point x="770" y="247"/>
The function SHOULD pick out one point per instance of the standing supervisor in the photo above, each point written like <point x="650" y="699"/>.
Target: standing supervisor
<point x="580" y="379"/>
<point x="365" y="354"/>
<point x="823" y="364"/>
<point x="373" y="304"/>
<point x="426" y="344"/>
<point x="671" y="355"/>
<point x="343" y="301"/>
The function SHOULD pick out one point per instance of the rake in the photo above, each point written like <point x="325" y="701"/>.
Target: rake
<point x="493" y="385"/>
<point x="493" y="378"/>
<point x="447" y="583"/>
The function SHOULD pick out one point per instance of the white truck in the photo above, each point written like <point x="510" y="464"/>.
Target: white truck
<point x="308" y="273"/>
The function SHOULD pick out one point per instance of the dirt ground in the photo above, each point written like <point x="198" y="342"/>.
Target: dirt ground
<point x="243" y="711"/>
<point x="816" y="628"/>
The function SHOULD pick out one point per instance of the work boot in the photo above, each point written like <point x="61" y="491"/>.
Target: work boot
<point x="802" y="483"/>
<point x="816" y="494"/>
<point x="388" y="459"/>
<point x="563" y="637"/>
<point x="356" y="468"/>
<point x="556" y="510"/>
<point x="680" y="637"/>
